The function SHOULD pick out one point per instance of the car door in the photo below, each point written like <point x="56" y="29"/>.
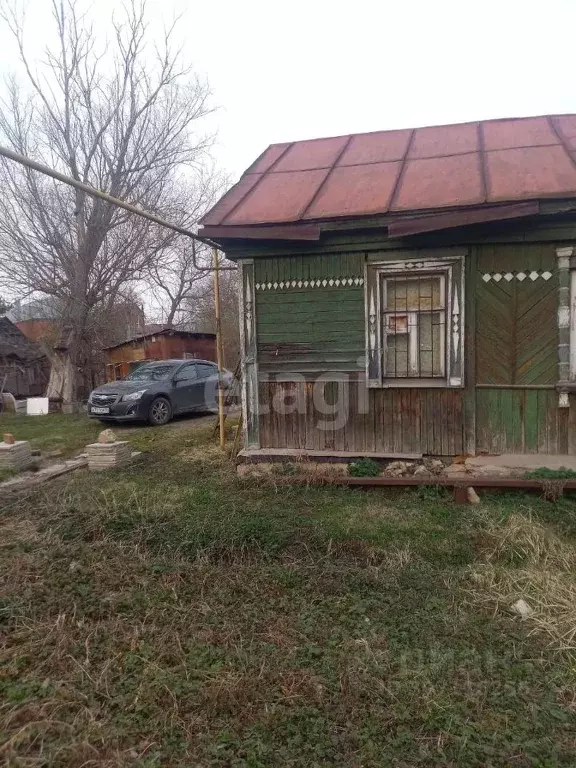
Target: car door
<point x="187" y="393"/>
<point x="208" y="375"/>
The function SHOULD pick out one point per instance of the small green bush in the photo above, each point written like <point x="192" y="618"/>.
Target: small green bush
<point x="543" y="473"/>
<point x="364" y="468"/>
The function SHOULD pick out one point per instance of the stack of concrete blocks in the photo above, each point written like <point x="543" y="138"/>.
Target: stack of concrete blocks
<point x="108" y="452"/>
<point x="15" y="454"/>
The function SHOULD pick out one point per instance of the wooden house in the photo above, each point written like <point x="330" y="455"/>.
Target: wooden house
<point x="24" y="368"/>
<point x="161" y="344"/>
<point x="409" y="292"/>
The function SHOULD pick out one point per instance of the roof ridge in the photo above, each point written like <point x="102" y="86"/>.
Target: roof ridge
<point x="415" y="128"/>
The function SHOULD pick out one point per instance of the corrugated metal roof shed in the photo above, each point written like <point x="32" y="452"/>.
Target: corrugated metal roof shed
<point x="411" y="170"/>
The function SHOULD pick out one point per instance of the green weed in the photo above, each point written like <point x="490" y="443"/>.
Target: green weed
<point x="364" y="468"/>
<point x="173" y="614"/>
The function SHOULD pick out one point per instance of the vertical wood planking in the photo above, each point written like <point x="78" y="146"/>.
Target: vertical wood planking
<point x="397" y="421"/>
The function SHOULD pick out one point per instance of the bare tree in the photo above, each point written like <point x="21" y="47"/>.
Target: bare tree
<point x="200" y="313"/>
<point x="120" y="114"/>
<point x="174" y="282"/>
<point x="173" y="278"/>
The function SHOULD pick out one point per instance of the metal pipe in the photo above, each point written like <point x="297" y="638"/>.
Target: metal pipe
<point x="219" y="354"/>
<point x="98" y="193"/>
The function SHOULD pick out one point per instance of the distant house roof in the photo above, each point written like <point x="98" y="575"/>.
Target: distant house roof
<point x="46" y="308"/>
<point x="412" y="170"/>
<point x="163" y="332"/>
<point x="13" y="343"/>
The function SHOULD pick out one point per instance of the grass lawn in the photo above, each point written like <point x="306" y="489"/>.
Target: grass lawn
<point x="175" y="615"/>
<point x="56" y="433"/>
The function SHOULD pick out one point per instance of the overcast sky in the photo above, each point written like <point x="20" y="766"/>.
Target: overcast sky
<point x="309" y="68"/>
<point x="282" y="71"/>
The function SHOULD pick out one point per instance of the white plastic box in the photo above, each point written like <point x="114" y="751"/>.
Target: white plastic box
<point x="36" y="406"/>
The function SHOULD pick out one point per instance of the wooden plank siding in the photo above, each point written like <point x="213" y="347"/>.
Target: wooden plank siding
<point x="517" y="345"/>
<point x="509" y="403"/>
<point x="428" y="421"/>
<point x="310" y="329"/>
<point x="522" y="421"/>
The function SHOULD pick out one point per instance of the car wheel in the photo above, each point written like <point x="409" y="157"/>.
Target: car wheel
<point x="160" y="412"/>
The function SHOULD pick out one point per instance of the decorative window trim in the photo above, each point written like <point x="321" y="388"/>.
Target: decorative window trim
<point x="249" y="358"/>
<point x="528" y="274"/>
<point x="325" y="282"/>
<point x="453" y="268"/>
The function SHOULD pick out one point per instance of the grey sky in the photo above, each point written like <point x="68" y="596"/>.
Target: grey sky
<point x="307" y="68"/>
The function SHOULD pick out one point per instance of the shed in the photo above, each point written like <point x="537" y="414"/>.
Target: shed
<point x="409" y="292"/>
<point x="161" y="344"/>
<point x="24" y="368"/>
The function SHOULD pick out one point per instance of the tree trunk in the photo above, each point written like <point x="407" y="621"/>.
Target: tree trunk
<point x="171" y="315"/>
<point x="61" y="377"/>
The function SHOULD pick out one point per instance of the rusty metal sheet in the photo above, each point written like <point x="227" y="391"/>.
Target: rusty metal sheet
<point x="380" y="147"/>
<point x="438" y="182"/>
<point x="419" y="224"/>
<point x="444" y="140"/>
<point x="235" y="194"/>
<point x="268" y="158"/>
<point x="316" y="153"/>
<point x="566" y="124"/>
<point x="528" y="132"/>
<point x="355" y="190"/>
<point x="530" y="172"/>
<point x="278" y="197"/>
<point x="415" y="170"/>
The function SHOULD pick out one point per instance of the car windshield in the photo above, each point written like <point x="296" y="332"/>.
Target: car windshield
<point x="151" y="372"/>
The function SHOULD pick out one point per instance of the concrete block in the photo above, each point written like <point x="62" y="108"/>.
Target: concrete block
<point x="16" y="456"/>
<point x="108" y="455"/>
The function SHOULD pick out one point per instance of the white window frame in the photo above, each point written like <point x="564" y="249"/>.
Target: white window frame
<point x="376" y="273"/>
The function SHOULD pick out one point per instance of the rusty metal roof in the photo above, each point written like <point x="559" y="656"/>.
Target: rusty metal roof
<point x="412" y="170"/>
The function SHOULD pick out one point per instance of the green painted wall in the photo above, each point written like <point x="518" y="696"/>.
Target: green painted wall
<point x="517" y="345"/>
<point x="516" y="330"/>
<point x="310" y="328"/>
<point x="509" y="404"/>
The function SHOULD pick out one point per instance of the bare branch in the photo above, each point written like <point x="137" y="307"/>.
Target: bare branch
<point x="126" y="117"/>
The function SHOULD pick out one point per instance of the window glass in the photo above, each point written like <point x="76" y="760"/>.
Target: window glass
<point x="430" y="344"/>
<point x="187" y="372"/>
<point x="204" y="369"/>
<point x="397" y="355"/>
<point x="152" y="372"/>
<point x="416" y="293"/>
<point x="414" y="327"/>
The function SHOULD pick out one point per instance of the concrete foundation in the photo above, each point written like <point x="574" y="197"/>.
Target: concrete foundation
<point x="523" y="461"/>
<point x="108" y="455"/>
<point x="16" y="456"/>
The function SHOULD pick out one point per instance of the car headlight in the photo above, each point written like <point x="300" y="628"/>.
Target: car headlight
<point x="134" y="395"/>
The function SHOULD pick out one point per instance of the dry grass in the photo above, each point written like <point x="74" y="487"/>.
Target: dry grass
<point x="177" y="615"/>
<point x="525" y="559"/>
